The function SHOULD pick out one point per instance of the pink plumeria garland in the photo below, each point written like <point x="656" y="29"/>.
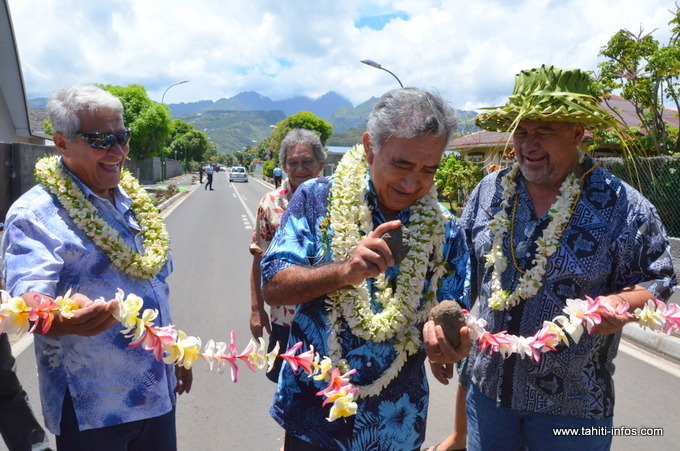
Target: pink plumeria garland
<point x="580" y="315"/>
<point x="175" y="347"/>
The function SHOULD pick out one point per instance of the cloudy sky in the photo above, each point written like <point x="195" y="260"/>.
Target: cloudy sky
<point x="467" y="50"/>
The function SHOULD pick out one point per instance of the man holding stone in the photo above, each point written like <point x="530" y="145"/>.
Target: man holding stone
<point x="357" y="301"/>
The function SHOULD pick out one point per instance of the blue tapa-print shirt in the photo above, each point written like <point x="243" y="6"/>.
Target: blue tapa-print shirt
<point x="393" y="420"/>
<point x="614" y="239"/>
<point x="109" y="382"/>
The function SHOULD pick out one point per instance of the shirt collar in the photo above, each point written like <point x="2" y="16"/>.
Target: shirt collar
<point x="119" y="193"/>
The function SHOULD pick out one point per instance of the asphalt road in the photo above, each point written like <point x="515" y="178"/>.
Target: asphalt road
<point x="210" y="232"/>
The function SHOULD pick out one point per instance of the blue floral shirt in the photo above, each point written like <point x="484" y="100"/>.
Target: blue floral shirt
<point x="614" y="239"/>
<point x="109" y="382"/>
<point x="396" y="418"/>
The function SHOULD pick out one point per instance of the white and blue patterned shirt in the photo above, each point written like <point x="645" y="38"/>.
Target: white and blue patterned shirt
<point x="396" y="418"/>
<point x="45" y="252"/>
<point x="614" y="239"/>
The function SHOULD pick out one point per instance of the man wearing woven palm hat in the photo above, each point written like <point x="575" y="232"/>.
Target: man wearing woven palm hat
<point x="553" y="227"/>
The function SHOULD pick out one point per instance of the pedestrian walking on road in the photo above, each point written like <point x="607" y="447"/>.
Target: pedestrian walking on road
<point x="96" y="391"/>
<point x="277" y="172"/>
<point x="209" y="171"/>
<point x="301" y="150"/>
<point x="201" y="169"/>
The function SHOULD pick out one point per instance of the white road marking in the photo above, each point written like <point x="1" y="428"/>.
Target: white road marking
<point x="245" y="207"/>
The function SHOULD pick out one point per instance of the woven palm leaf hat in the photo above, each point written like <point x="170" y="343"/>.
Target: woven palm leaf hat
<point x="549" y="94"/>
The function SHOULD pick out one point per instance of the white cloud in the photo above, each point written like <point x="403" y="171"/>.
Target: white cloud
<point x="469" y="51"/>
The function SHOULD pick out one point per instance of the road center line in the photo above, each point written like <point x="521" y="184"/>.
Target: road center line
<point x="250" y="214"/>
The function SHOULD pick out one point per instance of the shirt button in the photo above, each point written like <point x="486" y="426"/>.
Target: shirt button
<point x="508" y="318"/>
<point x="368" y="364"/>
<point x="528" y="255"/>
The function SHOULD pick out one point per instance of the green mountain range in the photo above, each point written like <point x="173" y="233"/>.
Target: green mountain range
<point x="246" y="118"/>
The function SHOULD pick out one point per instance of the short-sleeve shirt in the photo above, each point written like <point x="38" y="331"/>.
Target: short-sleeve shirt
<point x="45" y="252"/>
<point x="394" y="419"/>
<point x="614" y="239"/>
<point x="269" y="213"/>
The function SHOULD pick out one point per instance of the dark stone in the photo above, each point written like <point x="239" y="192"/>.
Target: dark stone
<point x="398" y="241"/>
<point x="449" y="315"/>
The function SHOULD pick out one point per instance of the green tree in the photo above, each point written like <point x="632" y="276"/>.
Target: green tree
<point x="244" y="157"/>
<point x="303" y="119"/>
<point x="149" y="121"/>
<point x="186" y="142"/>
<point x="455" y="179"/>
<point x="646" y="73"/>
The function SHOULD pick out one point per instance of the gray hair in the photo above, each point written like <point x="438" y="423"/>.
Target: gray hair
<point x="66" y="104"/>
<point x="409" y="113"/>
<point x="302" y="136"/>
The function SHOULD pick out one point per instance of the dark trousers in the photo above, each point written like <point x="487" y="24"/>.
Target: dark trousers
<point x="209" y="182"/>
<point x="279" y="335"/>
<point x="19" y="428"/>
<point x="157" y="433"/>
<point x="277" y="181"/>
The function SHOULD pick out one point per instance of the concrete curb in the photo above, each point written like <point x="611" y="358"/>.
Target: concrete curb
<point x="666" y="345"/>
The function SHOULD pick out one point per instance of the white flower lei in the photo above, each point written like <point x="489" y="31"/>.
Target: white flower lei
<point x="350" y="219"/>
<point x="52" y="175"/>
<point x="560" y="213"/>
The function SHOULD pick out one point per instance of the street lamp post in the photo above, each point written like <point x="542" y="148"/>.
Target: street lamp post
<point x="378" y="66"/>
<point x="163" y="172"/>
<point x="178" y="83"/>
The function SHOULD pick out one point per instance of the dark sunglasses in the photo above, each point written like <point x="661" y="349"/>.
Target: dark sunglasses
<point x="105" y="140"/>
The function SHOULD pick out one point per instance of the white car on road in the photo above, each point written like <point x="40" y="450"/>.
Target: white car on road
<point x="238" y="173"/>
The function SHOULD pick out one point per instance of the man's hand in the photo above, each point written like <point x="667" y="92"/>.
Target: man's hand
<point x="91" y="318"/>
<point x="438" y="348"/>
<point x="372" y="256"/>
<point x="185" y="378"/>
<point x="259" y="320"/>
<point x="612" y="322"/>
<point x="443" y="372"/>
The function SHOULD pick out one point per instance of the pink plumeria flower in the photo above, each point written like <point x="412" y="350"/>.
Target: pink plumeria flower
<point x="337" y="381"/>
<point x="499" y="342"/>
<point x="551" y="335"/>
<point x="672" y="315"/>
<point x="289" y="356"/>
<point x="528" y="346"/>
<point x="306" y="360"/>
<point x="231" y="356"/>
<point x="583" y="315"/>
<point x="43" y="310"/>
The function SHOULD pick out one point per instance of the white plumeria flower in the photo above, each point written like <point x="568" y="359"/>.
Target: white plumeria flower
<point x="651" y="315"/>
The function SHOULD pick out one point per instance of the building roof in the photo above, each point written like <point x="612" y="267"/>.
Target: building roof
<point x="11" y="80"/>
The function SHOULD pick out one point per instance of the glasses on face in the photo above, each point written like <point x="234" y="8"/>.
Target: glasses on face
<point x="105" y="140"/>
<point x="292" y="165"/>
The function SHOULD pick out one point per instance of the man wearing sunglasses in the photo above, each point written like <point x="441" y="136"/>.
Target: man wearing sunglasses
<point x="94" y="388"/>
